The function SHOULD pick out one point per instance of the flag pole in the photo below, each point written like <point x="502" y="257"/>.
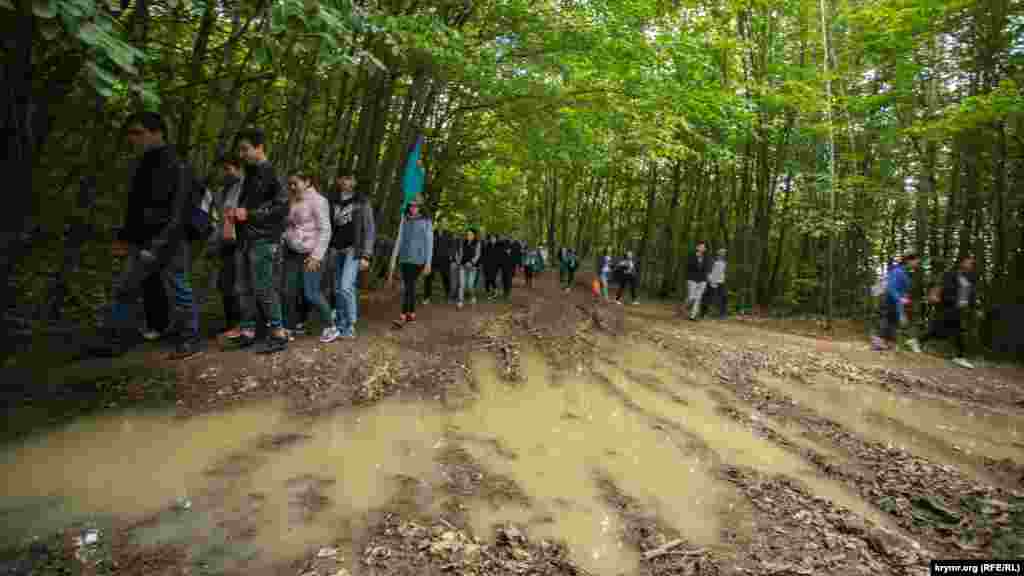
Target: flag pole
<point x="394" y="249"/>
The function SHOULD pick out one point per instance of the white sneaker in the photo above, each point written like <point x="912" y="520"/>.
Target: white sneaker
<point x="963" y="363"/>
<point x="914" y="345"/>
<point x="330" y="334"/>
<point x="636" y="302"/>
<point x="150" y="335"/>
<point x="459" y="305"/>
<point x="426" y="302"/>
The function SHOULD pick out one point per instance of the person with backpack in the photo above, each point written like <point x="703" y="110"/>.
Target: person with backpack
<point x="354" y="238"/>
<point x="625" y="272"/>
<point x="604" y="272"/>
<point x="531" y="265"/>
<point x="415" y="254"/>
<point x="440" y="265"/>
<point x="957" y="296"/>
<point x="569" y="264"/>
<point x="697" y="270"/>
<point x="260" y="222"/>
<point x="469" y="255"/>
<point x="307" y="235"/>
<point x="153" y="240"/>
<point x="893" y="300"/>
<point x="716" y="284"/>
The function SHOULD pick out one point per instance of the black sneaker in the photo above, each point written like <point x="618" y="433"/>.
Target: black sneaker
<point x="186" y="349"/>
<point x="241" y="341"/>
<point x="273" y="345"/>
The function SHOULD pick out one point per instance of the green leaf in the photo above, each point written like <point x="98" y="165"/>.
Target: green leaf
<point x="7" y="4"/>
<point x="44" y="8"/>
<point x="89" y="34"/>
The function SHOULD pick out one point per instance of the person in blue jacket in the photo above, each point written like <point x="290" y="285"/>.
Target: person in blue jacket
<point x="894" y="299"/>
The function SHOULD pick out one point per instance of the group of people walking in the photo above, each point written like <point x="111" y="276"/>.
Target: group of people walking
<point x="952" y="299"/>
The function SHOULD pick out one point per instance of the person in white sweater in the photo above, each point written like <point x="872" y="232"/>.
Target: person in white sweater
<point x="307" y="236"/>
<point x="716" y="283"/>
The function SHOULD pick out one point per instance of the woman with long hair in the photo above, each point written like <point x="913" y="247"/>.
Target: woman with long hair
<point x="415" y="253"/>
<point x="307" y="236"/>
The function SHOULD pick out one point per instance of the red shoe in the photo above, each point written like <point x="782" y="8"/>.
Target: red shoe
<point x="410" y="317"/>
<point x="232" y="333"/>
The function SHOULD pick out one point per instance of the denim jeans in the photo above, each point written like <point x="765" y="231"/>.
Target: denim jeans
<point x="346" y="291"/>
<point x="128" y="287"/>
<point x="467" y="282"/>
<point x="300" y="283"/>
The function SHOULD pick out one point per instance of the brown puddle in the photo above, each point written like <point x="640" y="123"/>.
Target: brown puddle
<point x="936" y="429"/>
<point x="562" y="433"/>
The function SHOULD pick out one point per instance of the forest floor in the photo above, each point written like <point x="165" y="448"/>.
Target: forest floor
<point x="547" y="435"/>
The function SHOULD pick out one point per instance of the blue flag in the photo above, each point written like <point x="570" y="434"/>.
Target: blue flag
<point x="412" y="180"/>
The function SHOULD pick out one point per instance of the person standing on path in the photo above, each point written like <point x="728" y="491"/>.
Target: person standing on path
<point x="491" y="261"/>
<point x="353" y="237"/>
<point x="307" y="236"/>
<point x="469" y="267"/>
<point x="260" y="222"/>
<point x="441" y="264"/>
<point x="153" y="240"/>
<point x="415" y="253"/>
<point x="696" y="279"/>
<point x="958" y="297"/>
<point x="507" y="262"/>
<point x="894" y="298"/>
<point x="228" y="244"/>
<point x="517" y="257"/>
<point x="531" y="265"/>
<point x="604" y="272"/>
<point x="716" y="283"/>
<point x="625" y="272"/>
<point x="569" y="264"/>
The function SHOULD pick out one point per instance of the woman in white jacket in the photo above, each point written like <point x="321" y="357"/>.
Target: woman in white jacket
<point x="307" y="236"/>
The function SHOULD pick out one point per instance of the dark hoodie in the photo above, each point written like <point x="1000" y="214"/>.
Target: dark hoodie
<point x="156" y="210"/>
<point x="442" y="249"/>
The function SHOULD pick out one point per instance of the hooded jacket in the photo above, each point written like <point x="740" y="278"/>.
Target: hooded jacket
<point x="309" y="225"/>
<point x="156" y="210"/>
<point x="266" y="201"/>
<point x="353" y="224"/>
<point x="417" y="244"/>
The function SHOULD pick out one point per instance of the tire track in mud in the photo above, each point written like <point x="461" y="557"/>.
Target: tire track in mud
<point x="937" y="504"/>
<point x="794" y="531"/>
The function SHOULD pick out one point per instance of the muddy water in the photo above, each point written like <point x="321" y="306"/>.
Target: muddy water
<point x="934" y="428"/>
<point x="562" y="433"/>
<point x="111" y="464"/>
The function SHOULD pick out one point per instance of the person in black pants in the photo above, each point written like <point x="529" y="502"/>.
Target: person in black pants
<point x="227" y="241"/>
<point x="507" y="262"/>
<point x="439" y="265"/>
<point x="415" y="254"/>
<point x="958" y="297"/>
<point x="625" y="272"/>
<point x="491" y="264"/>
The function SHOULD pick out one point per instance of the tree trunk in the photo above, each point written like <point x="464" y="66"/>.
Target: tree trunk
<point x="668" y="281"/>
<point x="199" y="49"/>
<point x="652" y="189"/>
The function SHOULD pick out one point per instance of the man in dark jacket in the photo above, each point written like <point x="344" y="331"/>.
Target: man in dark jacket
<point x="353" y="236"/>
<point x="441" y="264"/>
<point x="517" y="256"/>
<point x="491" y="264"/>
<point x="957" y="299"/>
<point x="153" y="239"/>
<point x="506" y="263"/>
<point x="697" y="270"/>
<point x="260" y="222"/>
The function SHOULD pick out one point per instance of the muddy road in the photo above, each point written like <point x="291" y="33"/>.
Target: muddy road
<point x="549" y="435"/>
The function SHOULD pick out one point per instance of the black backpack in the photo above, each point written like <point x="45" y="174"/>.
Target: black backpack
<point x="201" y="221"/>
